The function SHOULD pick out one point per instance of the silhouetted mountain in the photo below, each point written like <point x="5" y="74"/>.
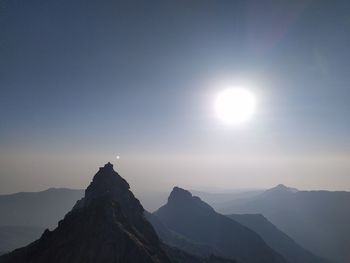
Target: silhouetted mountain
<point x="107" y="225"/>
<point x="12" y="237"/>
<point x="37" y="209"/>
<point x="317" y="220"/>
<point x="280" y="189"/>
<point x="197" y="221"/>
<point x="276" y="239"/>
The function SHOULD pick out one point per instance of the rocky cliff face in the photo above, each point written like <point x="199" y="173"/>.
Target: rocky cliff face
<point x="107" y="225"/>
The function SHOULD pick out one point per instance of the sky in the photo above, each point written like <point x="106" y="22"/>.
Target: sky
<point x="84" y="81"/>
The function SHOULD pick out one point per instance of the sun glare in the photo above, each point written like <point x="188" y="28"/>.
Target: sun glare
<point x="235" y="105"/>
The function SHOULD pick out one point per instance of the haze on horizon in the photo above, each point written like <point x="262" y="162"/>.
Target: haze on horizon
<point x="82" y="82"/>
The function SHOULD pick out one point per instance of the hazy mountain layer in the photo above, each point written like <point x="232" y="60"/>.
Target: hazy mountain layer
<point x="198" y="222"/>
<point x="37" y="209"/>
<point x="317" y="220"/>
<point x="12" y="237"/>
<point x="276" y="239"/>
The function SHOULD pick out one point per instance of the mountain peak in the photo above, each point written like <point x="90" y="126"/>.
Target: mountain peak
<point x="108" y="184"/>
<point x="183" y="199"/>
<point x="107" y="166"/>
<point x="179" y="195"/>
<point x="281" y="188"/>
<point x="106" y="180"/>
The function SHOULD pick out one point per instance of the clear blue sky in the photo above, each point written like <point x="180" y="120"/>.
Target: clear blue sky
<point x="84" y="81"/>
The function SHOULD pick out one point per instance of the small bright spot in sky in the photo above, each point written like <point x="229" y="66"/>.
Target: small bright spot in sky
<point x="118" y="157"/>
<point x="235" y="105"/>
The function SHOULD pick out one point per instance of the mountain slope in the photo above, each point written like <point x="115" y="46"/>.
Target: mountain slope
<point x="317" y="220"/>
<point x="177" y="240"/>
<point x="197" y="221"/>
<point x="276" y="239"/>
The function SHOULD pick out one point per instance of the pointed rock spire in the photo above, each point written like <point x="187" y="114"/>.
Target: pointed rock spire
<point x="179" y="195"/>
<point x="108" y="184"/>
<point x="182" y="198"/>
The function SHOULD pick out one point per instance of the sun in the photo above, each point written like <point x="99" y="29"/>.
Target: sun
<point x="235" y="105"/>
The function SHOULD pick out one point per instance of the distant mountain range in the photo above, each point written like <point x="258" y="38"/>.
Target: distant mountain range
<point x="276" y="239"/>
<point x="172" y="225"/>
<point x="289" y="221"/>
<point x="37" y="209"/>
<point x="107" y="226"/>
<point x="317" y="220"/>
